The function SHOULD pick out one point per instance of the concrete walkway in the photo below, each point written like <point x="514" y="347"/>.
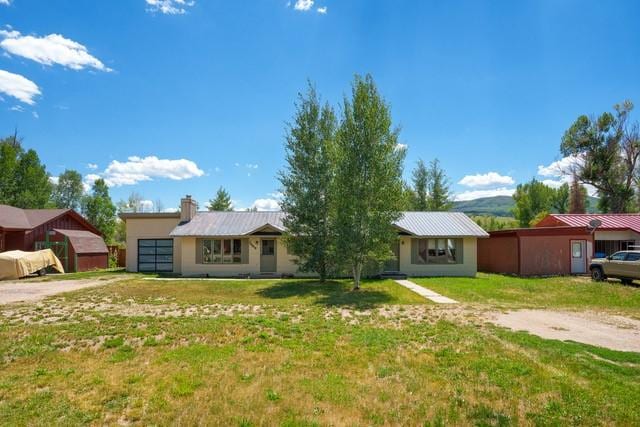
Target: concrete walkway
<point x="427" y="293"/>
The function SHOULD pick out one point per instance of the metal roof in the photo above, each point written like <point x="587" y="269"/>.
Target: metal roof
<point x="84" y="242"/>
<point x="421" y="224"/>
<point x="439" y="224"/>
<point x="609" y="221"/>
<point x="228" y="223"/>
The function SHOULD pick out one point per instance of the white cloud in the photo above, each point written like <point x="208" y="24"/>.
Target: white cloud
<point x="18" y="108"/>
<point x="146" y="205"/>
<point x="5" y="2"/>
<point x="401" y="146"/>
<point x="251" y="166"/>
<point x="19" y="87"/>
<point x="303" y="5"/>
<point x="478" y="194"/>
<point x="92" y="166"/>
<point x="560" y="167"/>
<point x="169" y="7"/>
<point x="54" y="180"/>
<point x="50" y="50"/>
<point x="486" y="180"/>
<point x="322" y="10"/>
<point x="35" y="114"/>
<point x="266" y="205"/>
<point x="137" y="169"/>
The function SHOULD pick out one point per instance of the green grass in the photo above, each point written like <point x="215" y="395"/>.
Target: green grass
<point x="553" y="292"/>
<point x="297" y="352"/>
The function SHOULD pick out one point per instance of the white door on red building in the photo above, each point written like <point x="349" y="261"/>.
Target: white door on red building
<point x="578" y="256"/>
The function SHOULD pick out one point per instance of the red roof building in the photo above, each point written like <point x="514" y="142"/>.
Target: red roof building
<point x="77" y="243"/>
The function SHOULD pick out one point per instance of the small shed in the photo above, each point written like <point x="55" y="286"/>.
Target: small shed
<point x="536" y="251"/>
<point x="87" y="251"/>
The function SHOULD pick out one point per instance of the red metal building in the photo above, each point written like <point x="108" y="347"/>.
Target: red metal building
<point x="75" y="241"/>
<point x="536" y="251"/>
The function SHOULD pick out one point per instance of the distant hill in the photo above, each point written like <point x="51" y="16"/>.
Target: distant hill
<point x="500" y="206"/>
<point x="496" y="206"/>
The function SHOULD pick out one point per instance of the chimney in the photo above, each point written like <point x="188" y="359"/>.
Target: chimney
<point x="188" y="209"/>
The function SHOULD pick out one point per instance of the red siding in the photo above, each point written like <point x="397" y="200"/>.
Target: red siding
<point x="92" y="262"/>
<point x="498" y="254"/>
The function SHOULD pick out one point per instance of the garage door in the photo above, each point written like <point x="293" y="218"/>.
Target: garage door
<point x="155" y="255"/>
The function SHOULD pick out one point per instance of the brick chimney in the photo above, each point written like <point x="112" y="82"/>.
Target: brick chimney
<point x="188" y="208"/>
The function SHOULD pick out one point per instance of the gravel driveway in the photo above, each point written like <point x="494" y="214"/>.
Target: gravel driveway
<point x="24" y="290"/>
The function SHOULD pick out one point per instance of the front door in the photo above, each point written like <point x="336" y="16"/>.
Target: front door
<point x="268" y="256"/>
<point x="578" y="257"/>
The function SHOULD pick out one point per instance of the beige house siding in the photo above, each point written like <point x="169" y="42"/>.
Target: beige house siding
<point x="150" y="228"/>
<point x="284" y="261"/>
<point x="468" y="267"/>
<point x="616" y="235"/>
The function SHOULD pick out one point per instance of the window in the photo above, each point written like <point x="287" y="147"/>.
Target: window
<point x="222" y="251"/>
<point x="268" y="247"/>
<point x="633" y="256"/>
<point x="607" y="247"/>
<point x="576" y="250"/>
<point x="155" y="255"/>
<point x="436" y="251"/>
<point x="618" y="256"/>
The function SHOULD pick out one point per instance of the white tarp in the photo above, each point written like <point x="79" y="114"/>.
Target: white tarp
<point x="17" y="264"/>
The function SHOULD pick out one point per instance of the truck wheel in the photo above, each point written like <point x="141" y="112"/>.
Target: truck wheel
<point x="626" y="281"/>
<point x="42" y="272"/>
<point x="597" y="274"/>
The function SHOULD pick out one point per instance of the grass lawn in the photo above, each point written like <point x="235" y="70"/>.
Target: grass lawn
<point x="296" y="352"/>
<point x="570" y="292"/>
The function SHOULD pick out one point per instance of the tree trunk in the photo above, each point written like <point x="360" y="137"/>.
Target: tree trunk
<point x="357" y="271"/>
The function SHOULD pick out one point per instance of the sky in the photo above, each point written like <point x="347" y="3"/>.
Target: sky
<point x="174" y="97"/>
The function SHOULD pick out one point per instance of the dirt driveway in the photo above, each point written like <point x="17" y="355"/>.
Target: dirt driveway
<point x="25" y="290"/>
<point x="599" y="329"/>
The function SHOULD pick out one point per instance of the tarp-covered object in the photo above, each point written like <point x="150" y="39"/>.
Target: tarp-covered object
<point x="17" y="264"/>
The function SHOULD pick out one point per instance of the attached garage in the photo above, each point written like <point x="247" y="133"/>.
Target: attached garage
<point x="155" y="255"/>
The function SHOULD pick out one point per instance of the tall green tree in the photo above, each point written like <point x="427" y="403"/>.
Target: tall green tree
<point x="420" y="178"/>
<point x="560" y="199"/>
<point x="10" y="152"/>
<point x="607" y="149"/>
<point x="32" y="185"/>
<point x="100" y="210"/>
<point x="533" y="200"/>
<point x="68" y="191"/>
<point x="368" y="178"/>
<point x="439" y="188"/>
<point x="577" y="197"/>
<point x="222" y="201"/>
<point x="307" y="183"/>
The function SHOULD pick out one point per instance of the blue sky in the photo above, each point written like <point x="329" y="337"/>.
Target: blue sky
<point x="169" y="97"/>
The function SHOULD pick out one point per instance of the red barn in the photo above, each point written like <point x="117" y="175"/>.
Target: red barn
<point x="78" y="244"/>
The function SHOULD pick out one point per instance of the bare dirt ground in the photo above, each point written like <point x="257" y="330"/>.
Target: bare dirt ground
<point x="24" y="290"/>
<point x="598" y="329"/>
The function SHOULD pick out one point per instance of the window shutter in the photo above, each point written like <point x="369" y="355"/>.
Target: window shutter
<point x="245" y="251"/>
<point x="199" y="246"/>
<point x="414" y="251"/>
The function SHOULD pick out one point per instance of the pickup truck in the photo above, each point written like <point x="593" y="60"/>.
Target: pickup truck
<point x="623" y="265"/>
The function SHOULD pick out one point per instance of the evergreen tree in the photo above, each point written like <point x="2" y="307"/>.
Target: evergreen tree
<point x="306" y="185"/>
<point x="67" y="193"/>
<point x="439" y="188"/>
<point x="100" y="210"/>
<point x="420" y="177"/>
<point x="578" y="197"/>
<point x="222" y="201"/>
<point x="368" y="179"/>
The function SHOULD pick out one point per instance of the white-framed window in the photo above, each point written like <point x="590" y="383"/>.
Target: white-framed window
<point x="576" y="249"/>
<point x="222" y="251"/>
<point x="436" y="251"/>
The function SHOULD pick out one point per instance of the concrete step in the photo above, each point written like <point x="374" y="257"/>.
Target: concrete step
<point x="395" y="275"/>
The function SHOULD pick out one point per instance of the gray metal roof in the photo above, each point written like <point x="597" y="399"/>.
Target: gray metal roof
<point x="439" y="224"/>
<point x="228" y="223"/>
<point x="421" y="224"/>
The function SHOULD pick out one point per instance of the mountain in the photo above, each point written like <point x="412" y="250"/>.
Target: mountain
<point x="500" y="206"/>
<point x="496" y="206"/>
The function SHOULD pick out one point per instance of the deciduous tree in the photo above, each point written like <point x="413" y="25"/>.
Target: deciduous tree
<point x="68" y="191"/>
<point x="368" y="179"/>
<point x="307" y="183"/>
<point x="100" y="210"/>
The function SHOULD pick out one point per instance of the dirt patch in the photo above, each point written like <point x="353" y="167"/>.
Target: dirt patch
<point x="22" y="291"/>
<point x="599" y="329"/>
